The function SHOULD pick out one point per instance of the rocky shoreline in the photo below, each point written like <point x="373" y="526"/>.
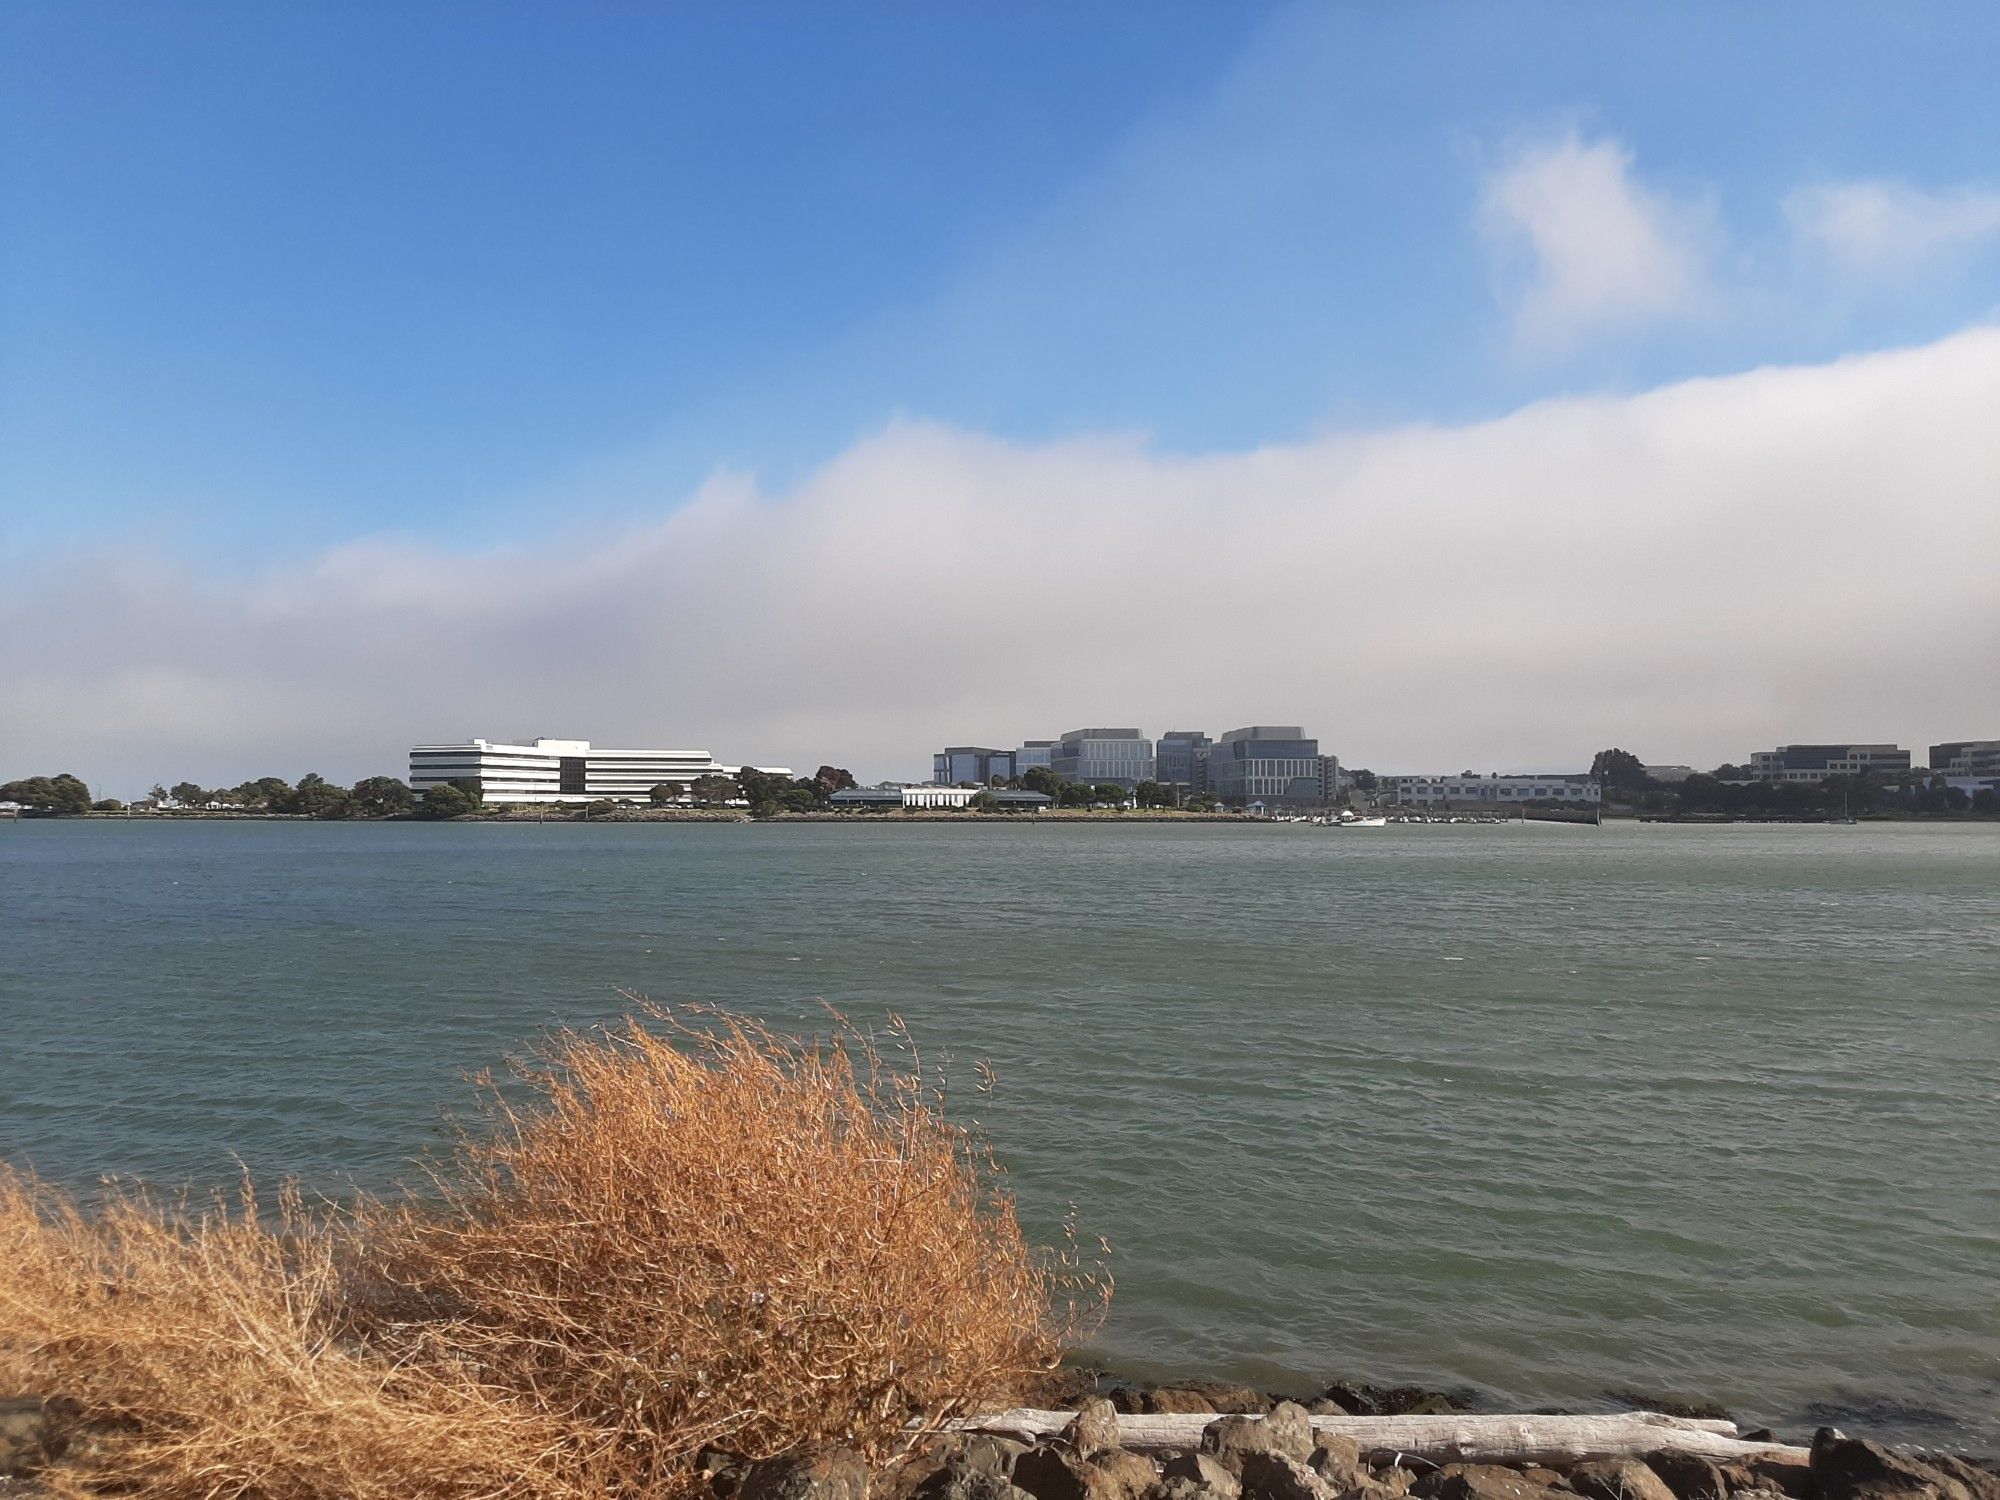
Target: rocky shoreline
<point x="1102" y="1442"/>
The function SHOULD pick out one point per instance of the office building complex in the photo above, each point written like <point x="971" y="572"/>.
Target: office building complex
<point x="1461" y="791"/>
<point x="1123" y="756"/>
<point x="1967" y="758"/>
<point x="1180" y="760"/>
<point x="959" y="764"/>
<point x="545" y="770"/>
<point x="1817" y="762"/>
<point x="1265" y="763"/>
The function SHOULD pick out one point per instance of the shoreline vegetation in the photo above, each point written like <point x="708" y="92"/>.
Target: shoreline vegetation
<point x="694" y="1258"/>
<point x="1727" y="795"/>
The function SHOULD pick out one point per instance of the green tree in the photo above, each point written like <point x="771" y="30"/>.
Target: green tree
<point x="831" y="779"/>
<point x="1153" y="794"/>
<point x="445" y="800"/>
<point x="983" y="802"/>
<point x="1110" y="794"/>
<point x="268" y="792"/>
<point x="107" y="804"/>
<point x="1072" y="794"/>
<point x="62" y="793"/>
<point x="1619" y="770"/>
<point x="189" y="795"/>
<point x="158" y="794"/>
<point x="709" y="790"/>
<point x="316" y="797"/>
<point x="381" y="797"/>
<point x="1042" y="779"/>
<point x="763" y="791"/>
<point x="663" y="793"/>
<point x="1364" y="780"/>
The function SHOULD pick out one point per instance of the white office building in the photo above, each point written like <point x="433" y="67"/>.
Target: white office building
<point x="1815" y="763"/>
<point x="1494" y="790"/>
<point x="545" y="770"/>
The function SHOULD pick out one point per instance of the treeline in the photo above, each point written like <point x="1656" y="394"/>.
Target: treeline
<point x="1730" y="792"/>
<point x="1066" y="793"/>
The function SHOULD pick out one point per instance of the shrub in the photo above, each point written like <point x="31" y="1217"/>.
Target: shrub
<point x="689" y="1231"/>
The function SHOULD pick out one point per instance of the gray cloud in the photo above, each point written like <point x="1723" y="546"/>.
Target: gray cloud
<point x="1693" y="572"/>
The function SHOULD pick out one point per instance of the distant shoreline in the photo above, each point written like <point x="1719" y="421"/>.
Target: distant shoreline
<point x="924" y="815"/>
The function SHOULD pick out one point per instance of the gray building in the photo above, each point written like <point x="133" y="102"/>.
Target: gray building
<point x="1813" y="763"/>
<point x="1123" y="756"/>
<point x="1180" y="760"/>
<point x="1265" y="763"/>
<point x="1967" y="757"/>
<point x="1034" y="753"/>
<point x="958" y="764"/>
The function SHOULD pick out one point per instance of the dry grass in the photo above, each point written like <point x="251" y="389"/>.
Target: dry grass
<point x="695" y="1230"/>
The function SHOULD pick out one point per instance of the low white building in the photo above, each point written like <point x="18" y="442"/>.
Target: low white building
<point x="1432" y="791"/>
<point x="545" y="770"/>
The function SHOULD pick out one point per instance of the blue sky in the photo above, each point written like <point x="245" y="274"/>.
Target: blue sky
<point x="277" y="276"/>
<point x="614" y="353"/>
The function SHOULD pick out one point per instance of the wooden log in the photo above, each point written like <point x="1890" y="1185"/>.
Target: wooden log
<point x="1457" y="1438"/>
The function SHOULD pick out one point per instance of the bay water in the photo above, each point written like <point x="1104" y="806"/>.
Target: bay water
<point x="1546" y="1112"/>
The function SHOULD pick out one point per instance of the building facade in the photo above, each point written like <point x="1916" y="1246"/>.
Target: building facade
<point x="1265" y="763"/>
<point x="974" y="763"/>
<point x="547" y="770"/>
<point x="1123" y="756"/>
<point x="1967" y="758"/>
<point x="1494" y="790"/>
<point x="1034" y="753"/>
<point x="892" y="798"/>
<point x="1813" y="763"/>
<point x="1180" y="760"/>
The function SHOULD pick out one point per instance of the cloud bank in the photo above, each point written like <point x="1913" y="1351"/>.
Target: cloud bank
<point x="1880" y="228"/>
<point x="1602" y="251"/>
<point x="1693" y="573"/>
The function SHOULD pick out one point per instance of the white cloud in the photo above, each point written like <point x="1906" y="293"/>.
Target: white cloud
<point x="1590" y="249"/>
<point x="1694" y="573"/>
<point x="1882" y="228"/>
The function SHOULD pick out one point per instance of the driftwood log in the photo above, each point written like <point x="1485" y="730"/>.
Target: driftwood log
<point x="1439" y="1440"/>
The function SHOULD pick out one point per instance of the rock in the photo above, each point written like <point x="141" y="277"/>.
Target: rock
<point x="958" y="1481"/>
<point x="1287" y="1430"/>
<point x="1618" y="1479"/>
<point x="1326" y="1406"/>
<point x="1478" y="1482"/>
<point x="1392" y="1477"/>
<point x="723" y="1470"/>
<point x="1392" y="1400"/>
<point x="1845" y="1468"/>
<point x="1171" y="1400"/>
<point x="1783" y="1472"/>
<point x="1980" y="1481"/>
<point x="1177" y="1489"/>
<point x="1050" y="1473"/>
<point x="1205" y="1470"/>
<point x="1277" y="1476"/>
<point x="1689" y="1475"/>
<point x="1337" y="1460"/>
<point x="1223" y="1396"/>
<point x="26" y="1437"/>
<point x="829" y="1474"/>
<point x="1536" y="1474"/>
<point x="1094" y="1429"/>
<point x="937" y="1466"/>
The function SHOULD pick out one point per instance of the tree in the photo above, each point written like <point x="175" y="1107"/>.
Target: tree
<point x="316" y="797"/>
<point x="1986" y="800"/>
<point x="983" y="802"/>
<point x="159" y="793"/>
<point x="1042" y="779"/>
<point x="709" y="790"/>
<point x="1072" y="794"/>
<point x="1364" y="780"/>
<point x="663" y="793"/>
<point x="1110" y="793"/>
<point x="471" y="786"/>
<point x="270" y="792"/>
<point x="831" y="779"/>
<point x="381" y="797"/>
<point x="764" y="792"/>
<point x="189" y="795"/>
<point x="445" y="800"/>
<point x="1154" y="794"/>
<point x="1619" y="770"/>
<point x="108" y="804"/>
<point x="50" y="794"/>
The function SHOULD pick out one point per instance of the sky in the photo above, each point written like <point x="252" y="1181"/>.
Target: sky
<point x="1478" y="385"/>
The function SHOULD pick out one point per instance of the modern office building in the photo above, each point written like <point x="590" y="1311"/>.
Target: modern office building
<point x="1124" y="756"/>
<point x="1461" y="791"/>
<point x="892" y="798"/>
<point x="1034" y="753"/>
<point x="1817" y="762"/>
<point x="1967" y="758"/>
<point x="1265" y="763"/>
<point x="545" y="770"/>
<point x="1180" y="760"/>
<point x="958" y="764"/>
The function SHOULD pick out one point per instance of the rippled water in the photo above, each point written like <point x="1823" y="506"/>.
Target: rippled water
<point x="1541" y="1110"/>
